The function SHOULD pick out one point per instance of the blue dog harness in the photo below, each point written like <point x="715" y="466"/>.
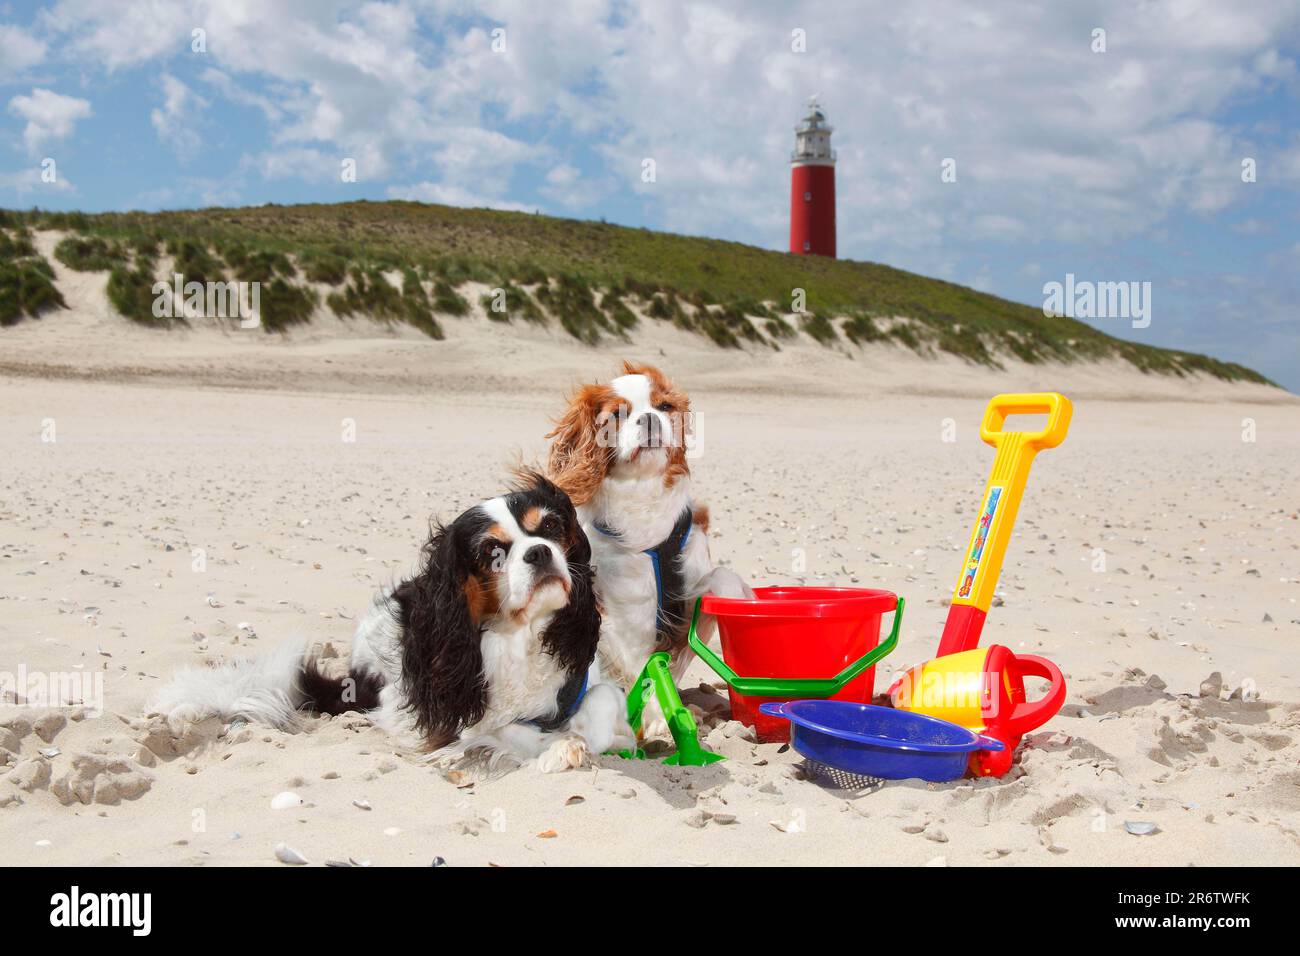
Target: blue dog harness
<point x="567" y="701"/>
<point x="670" y="600"/>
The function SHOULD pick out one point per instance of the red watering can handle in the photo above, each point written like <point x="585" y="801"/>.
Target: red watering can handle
<point x="1029" y="715"/>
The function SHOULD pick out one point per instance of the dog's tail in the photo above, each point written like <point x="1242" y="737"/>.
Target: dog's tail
<point x="272" y="689"/>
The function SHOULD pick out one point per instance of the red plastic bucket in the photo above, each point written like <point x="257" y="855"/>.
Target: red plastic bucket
<point x="797" y="632"/>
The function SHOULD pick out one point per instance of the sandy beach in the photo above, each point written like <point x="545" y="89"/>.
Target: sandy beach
<point x="175" y="498"/>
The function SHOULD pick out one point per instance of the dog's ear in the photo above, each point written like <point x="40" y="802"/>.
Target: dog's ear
<point x="579" y="550"/>
<point x="574" y="631"/>
<point x="442" y="661"/>
<point x="578" y="460"/>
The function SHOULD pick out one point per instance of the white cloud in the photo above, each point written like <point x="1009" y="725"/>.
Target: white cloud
<point x="50" y="116"/>
<point x="1053" y="141"/>
<point x="453" y="196"/>
<point x="122" y="34"/>
<point x="24" y="183"/>
<point x="301" y="163"/>
<point x="236" y="93"/>
<point x="19" y="51"/>
<point x="177" y="120"/>
<point x="1049" y="136"/>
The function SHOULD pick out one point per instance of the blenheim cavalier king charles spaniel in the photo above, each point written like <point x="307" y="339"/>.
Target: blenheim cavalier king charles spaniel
<point x="619" y="451"/>
<point x="489" y="648"/>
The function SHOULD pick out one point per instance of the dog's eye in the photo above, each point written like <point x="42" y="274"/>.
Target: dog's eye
<point x="549" y="526"/>
<point x="492" y="551"/>
<point x="665" y="406"/>
<point x="622" y="412"/>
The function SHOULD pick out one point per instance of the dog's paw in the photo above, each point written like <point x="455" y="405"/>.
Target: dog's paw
<point x="566" y="754"/>
<point x="725" y="583"/>
<point x="183" y="718"/>
<point x="656" y="729"/>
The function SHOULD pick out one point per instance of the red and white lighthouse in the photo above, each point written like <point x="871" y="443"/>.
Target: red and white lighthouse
<point x="812" y="186"/>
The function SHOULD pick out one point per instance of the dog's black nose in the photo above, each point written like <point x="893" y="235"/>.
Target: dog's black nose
<point x="650" y="430"/>
<point x="538" y="555"/>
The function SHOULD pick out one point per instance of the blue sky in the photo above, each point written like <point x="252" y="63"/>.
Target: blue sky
<point x="1122" y="164"/>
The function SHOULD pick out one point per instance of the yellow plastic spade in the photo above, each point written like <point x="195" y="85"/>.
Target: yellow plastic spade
<point x="1001" y="501"/>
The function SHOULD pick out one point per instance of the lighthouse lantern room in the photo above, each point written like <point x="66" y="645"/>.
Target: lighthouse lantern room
<point x="812" y="186"/>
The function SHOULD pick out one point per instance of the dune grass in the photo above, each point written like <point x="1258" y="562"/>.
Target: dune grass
<point x="27" y="290"/>
<point x="860" y="329"/>
<point x="194" y="263"/>
<point x="571" y="302"/>
<point x="509" y="302"/>
<point x="447" y="301"/>
<point x="329" y="268"/>
<point x="284" y="304"/>
<point x="778" y="328"/>
<point x="567" y="260"/>
<point x="27" y="287"/>
<point x="130" y="291"/>
<point x="256" y="265"/>
<point x="419" y="311"/>
<point x="89" y="253"/>
<point x="818" y="327"/>
<point x="367" y="292"/>
<point x="612" y="304"/>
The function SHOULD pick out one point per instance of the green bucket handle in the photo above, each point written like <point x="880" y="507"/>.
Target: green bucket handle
<point x="794" y="686"/>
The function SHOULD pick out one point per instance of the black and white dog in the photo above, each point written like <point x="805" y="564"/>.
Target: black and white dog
<point x="490" y="647"/>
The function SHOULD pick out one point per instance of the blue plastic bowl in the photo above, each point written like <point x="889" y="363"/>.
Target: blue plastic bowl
<point x="879" y="741"/>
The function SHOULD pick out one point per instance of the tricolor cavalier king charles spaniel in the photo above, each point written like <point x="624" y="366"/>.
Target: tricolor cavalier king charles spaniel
<point x="619" y="451"/>
<point x="488" y="649"/>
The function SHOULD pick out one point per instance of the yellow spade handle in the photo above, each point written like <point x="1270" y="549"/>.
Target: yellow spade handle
<point x="1054" y="405"/>
<point x="1006" y="486"/>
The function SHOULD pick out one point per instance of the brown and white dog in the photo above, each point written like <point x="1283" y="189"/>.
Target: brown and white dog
<point x="620" y="452"/>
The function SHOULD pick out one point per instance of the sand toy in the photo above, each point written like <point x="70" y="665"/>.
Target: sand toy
<point x="983" y="689"/>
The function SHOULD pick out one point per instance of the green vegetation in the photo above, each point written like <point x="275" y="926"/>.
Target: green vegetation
<point x="284" y="304"/>
<point x="367" y="292"/>
<point x="145" y="247"/>
<point x="89" y="253"/>
<point x="902" y="332"/>
<point x="565" y="260"/>
<point x="17" y="246"/>
<point x="447" y="300"/>
<point x="327" y="267"/>
<point x="664" y="307"/>
<point x="26" y="279"/>
<point x="612" y="304"/>
<point x="516" y="303"/>
<point x="248" y="265"/>
<point x="130" y="291"/>
<point x="779" y="328"/>
<point x="194" y="263"/>
<point x="860" y="329"/>
<point x="415" y="300"/>
<point x="527" y="273"/>
<point x="727" y="326"/>
<point x="571" y="301"/>
<point x="818" y="327"/>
